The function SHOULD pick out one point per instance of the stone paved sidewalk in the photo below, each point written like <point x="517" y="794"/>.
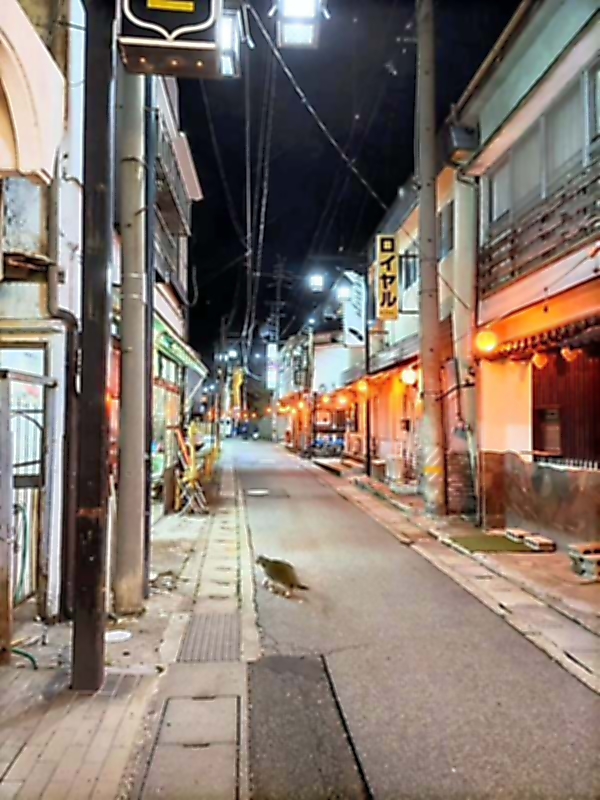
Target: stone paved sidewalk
<point x="58" y="744"/>
<point x="197" y="736"/>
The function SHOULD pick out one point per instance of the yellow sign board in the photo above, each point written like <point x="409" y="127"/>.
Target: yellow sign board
<point x="186" y="6"/>
<point x="388" y="279"/>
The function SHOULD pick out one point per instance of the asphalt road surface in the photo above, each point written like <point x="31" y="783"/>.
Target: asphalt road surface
<point x="388" y="680"/>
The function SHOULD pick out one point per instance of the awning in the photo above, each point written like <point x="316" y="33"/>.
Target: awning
<point x="31" y="99"/>
<point x="169" y="343"/>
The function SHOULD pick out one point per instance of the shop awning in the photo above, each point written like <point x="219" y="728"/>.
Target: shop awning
<point x="31" y="99"/>
<point x="173" y="346"/>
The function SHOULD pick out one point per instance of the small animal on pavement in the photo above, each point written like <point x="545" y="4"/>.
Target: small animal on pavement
<point x="280" y="574"/>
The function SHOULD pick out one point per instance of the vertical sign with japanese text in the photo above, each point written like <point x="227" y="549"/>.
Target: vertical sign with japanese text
<point x="388" y="274"/>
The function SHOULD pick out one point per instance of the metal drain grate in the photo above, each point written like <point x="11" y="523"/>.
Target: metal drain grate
<point x="212" y="637"/>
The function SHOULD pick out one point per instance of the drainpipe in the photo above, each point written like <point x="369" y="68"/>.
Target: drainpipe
<point x="151" y="147"/>
<point x="70" y="446"/>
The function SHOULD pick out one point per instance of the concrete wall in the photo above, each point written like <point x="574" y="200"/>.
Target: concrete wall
<point x="331" y="361"/>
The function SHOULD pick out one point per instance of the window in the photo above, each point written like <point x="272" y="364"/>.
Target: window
<point x="595" y="101"/>
<point x="500" y="194"/>
<point x="445" y="230"/>
<point x="410" y="266"/>
<point x="565" y="136"/>
<point x="527" y="171"/>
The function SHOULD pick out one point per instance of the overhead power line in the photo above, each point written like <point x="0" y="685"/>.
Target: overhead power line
<point x="311" y="110"/>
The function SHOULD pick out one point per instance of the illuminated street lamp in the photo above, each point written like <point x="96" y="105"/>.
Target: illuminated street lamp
<point x="299" y="21"/>
<point x="316" y="282"/>
<point x="229" y="40"/>
<point x="232" y="353"/>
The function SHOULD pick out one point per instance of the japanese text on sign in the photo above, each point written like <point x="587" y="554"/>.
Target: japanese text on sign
<point x="387" y="278"/>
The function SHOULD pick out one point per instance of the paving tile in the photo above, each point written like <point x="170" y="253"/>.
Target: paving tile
<point x="9" y="789"/>
<point x="198" y="722"/>
<point x="186" y="773"/>
<point x="39" y="777"/>
<point x="23" y="765"/>
<point x="205" y="680"/>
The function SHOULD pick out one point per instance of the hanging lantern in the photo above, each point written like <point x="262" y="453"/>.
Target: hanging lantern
<point x="409" y="376"/>
<point x="540" y="360"/>
<point x="326" y="400"/>
<point x="486" y="341"/>
<point x="569" y="354"/>
<point x="343" y="400"/>
<point x="363" y="387"/>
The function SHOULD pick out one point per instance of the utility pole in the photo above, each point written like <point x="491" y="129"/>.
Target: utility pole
<point x="278" y="283"/>
<point x="433" y="432"/>
<point x="129" y="569"/>
<point x="368" y="403"/>
<point x="89" y="619"/>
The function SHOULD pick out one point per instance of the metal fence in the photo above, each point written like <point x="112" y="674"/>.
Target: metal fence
<point x="26" y="468"/>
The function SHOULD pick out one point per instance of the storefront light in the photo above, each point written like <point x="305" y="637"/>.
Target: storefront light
<point x="326" y="400"/>
<point x="363" y="387"/>
<point x="540" y="360"/>
<point x="569" y="354"/>
<point x="301" y="405"/>
<point x="343" y="400"/>
<point x="229" y="39"/>
<point x="409" y="376"/>
<point x="486" y="341"/>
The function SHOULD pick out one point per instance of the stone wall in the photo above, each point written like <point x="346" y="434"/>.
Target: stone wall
<point x="547" y="499"/>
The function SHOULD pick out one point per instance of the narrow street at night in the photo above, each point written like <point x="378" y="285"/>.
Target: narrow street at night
<point x="441" y="698"/>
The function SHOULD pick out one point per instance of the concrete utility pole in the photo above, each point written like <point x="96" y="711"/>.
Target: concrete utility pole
<point x="128" y="582"/>
<point x="89" y="620"/>
<point x="432" y="430"/>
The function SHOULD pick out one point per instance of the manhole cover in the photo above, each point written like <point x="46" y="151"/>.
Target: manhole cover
<point x="212" y="637"/>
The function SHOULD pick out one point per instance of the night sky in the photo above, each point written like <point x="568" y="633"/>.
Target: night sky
<point x="361" y="80"/>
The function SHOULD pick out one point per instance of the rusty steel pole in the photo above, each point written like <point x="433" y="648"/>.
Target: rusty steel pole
<point x="92" y="487"/>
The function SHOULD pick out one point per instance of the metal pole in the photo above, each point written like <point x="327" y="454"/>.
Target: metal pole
<point x="92" y="497"/>
<point x="151" y="147"/>
<point x="128" y="584"/>
<point x="368" y="463"/>
<point x="6" y="524"/>
<point x="432" y="430"/>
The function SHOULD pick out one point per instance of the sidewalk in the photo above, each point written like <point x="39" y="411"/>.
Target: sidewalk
<point x="55" y="743"/>
<point x="535" y="593"/>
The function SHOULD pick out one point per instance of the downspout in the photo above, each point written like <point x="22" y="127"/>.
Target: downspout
<point x="71" y="405"/>
<point x="151" y="147"/>
<point x="71" y="432"/>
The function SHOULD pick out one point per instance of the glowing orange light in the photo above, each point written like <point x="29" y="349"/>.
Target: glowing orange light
<point x="486" y="341"/>
<point x="570" y="355"/>
<point x="300" y="405"/>
<point x="363" y="387"/>
<point x="409" y="376"/>
<point x="326" y="400"/>
<point x="540" y="360"/>
<point x="343" y="400"/>
<point x="269" y="410"/>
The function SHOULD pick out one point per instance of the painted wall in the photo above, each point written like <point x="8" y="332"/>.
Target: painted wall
<point x="331" y="361"/>
<point x="536" y="50"/>
<point x="505" y="402"/>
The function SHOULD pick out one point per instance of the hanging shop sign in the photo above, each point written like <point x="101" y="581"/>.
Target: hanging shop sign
<point x="354" y="311"/>
<point x="272" y="368"/>
<point x="388" y="289"/>
<point x="182" y="38"/>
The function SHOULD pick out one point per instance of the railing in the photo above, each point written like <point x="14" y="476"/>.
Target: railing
<point x="552" y="229"/>
<point x="171" y="195"/>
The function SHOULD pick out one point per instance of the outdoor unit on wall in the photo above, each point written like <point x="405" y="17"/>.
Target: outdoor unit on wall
<point x="182" y="38"/>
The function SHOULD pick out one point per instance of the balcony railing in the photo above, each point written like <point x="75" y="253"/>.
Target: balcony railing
<point x="167" y="257"/>
<point x="556" y="226"/>
<point x="171" y="195"/>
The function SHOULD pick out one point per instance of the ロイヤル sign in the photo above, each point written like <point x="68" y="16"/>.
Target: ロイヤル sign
<point x="388" y="279"/>
<point x="183" y="38"/>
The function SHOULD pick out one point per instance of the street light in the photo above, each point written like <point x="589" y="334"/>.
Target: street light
<point x="229" y="41"/>
<point x="299" y="21"/>
<point x="316" y="282"/>
<point x="232" y="353"/>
